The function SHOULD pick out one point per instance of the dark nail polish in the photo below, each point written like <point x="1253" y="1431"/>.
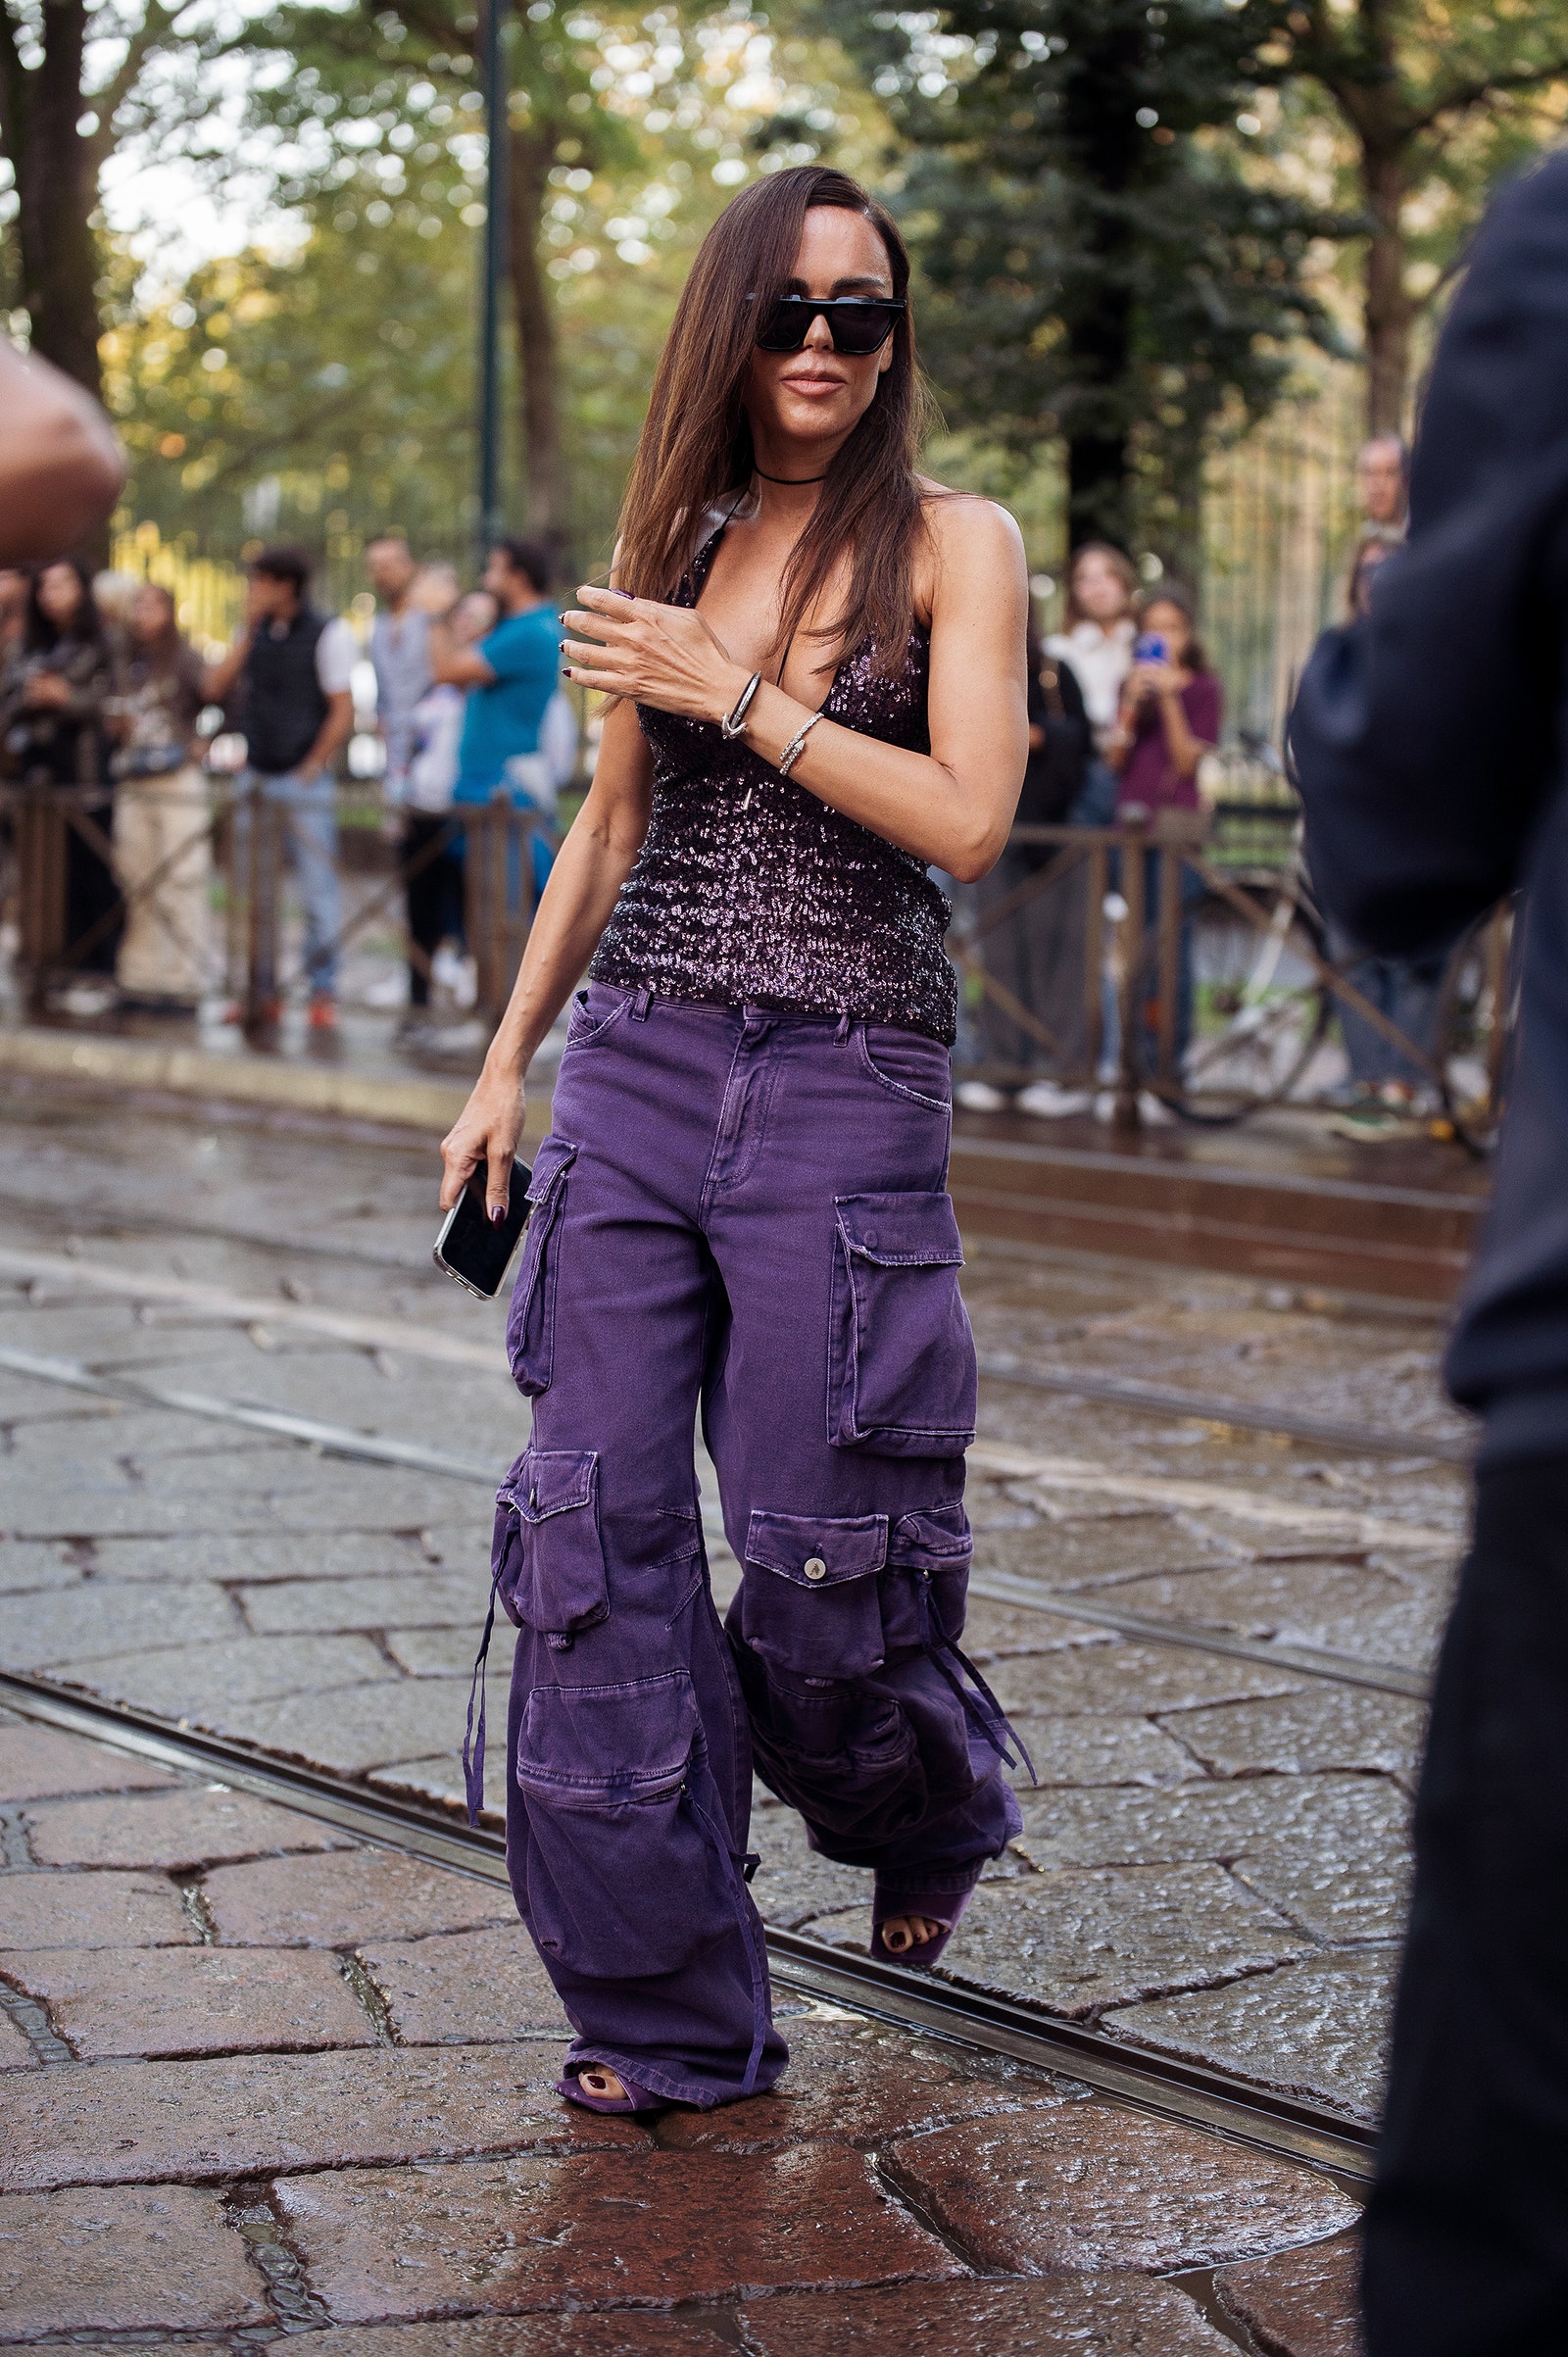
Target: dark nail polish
<point x="498" y="1212"/>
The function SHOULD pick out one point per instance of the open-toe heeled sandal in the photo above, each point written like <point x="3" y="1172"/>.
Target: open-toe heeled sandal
<point x="635" y="2099"/>
<point x="944" y="1908"/>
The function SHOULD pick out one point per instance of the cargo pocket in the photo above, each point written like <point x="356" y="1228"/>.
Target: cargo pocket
<point x="926" y="1584"/>
<point x="623" y="1879"/>
<point x="901" y="1377"/>
<point x="547" y="1556"/>
<point x="810" y="1603"/>
<point x="531" y="1325"/>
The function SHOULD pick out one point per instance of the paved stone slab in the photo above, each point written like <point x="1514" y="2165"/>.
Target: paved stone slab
<point x="441" y="1778"/>
<point x="182" y="2001"/>
<point x="995" y="1632"/>
<point x="1303" y="1600"/>
<point x="37" y="1761"/>
<point x="282" y="1554"/>
<point x="365" y="1726"/>
<point x="855" y="2082"/>
<point x="197" y="1683"/>
<point x="1094" y="1750"/>
<point x="449" y="1652"/>
<point x="92" y="1910"/>
<point x="794" y="1885"/>
<point x="14" y="2052"/>
<point x="1020" y="1535"/>
<point x="1318" y="2027"/>
<point x="536" y="2234"/>
<point x="1108" y="2190"/>
<point x="1305" y="2303"/>
<point x="466" y="1988"/>
<point x="180" y="1829"/>
<point x="1123" y="1679"/>
<point x="1331" y="1851"/>
<point x="1077" y="1941"/>
<point x="632" y="2333"/>
<point x="1088" y="2316"/>
<point x="28" y="1565"/>
<point x="126" y="2259"/>
<point x="425" y="1599"/>
<point x="277" y="2113"/>
<point x="1298" y="1735"/>
<point x="104" y="1618"/>
<point x="357" y="1896"/>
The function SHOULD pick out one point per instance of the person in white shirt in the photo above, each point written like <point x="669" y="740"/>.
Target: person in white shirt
<point x="1097" y="639"/>
<point x="432" y="853"/>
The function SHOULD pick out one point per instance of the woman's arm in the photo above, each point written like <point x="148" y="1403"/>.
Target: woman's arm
<point x="953" y="807"/>
<point x="1185" y="749"/>
<point x="61" y="467"/>
<point x="593" y="864"/>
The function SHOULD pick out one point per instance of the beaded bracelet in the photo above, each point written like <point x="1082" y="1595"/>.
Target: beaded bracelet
<point x="791" y="751"/>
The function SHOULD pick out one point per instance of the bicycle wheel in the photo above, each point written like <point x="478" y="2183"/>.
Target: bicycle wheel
<point x="1259" y="1011"/>
<point x="1478" y="1014"/>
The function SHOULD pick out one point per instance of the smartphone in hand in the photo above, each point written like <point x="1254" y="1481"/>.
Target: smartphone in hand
<point x="475" y="1249"/>
<point x="1150" y="647"/>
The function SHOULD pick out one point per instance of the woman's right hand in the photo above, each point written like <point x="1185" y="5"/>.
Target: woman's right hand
<point x="485" y="1137"/>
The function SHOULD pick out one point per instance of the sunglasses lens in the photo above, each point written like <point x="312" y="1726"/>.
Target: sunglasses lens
<point x="857" y="328"/>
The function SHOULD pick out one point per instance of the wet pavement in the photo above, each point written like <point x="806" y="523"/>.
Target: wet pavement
<point x="257" y="2078"/>
<point x="1214" y="1850"/>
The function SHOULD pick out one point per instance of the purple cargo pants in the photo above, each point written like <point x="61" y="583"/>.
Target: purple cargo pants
<point x="742" y="1214"/>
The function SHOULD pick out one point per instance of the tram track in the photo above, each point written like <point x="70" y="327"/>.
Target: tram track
<point x="1201" y="2095"/>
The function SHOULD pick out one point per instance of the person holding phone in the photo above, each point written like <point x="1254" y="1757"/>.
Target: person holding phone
<point x="739" y="1211"/>
<point x="1170" y="716"/>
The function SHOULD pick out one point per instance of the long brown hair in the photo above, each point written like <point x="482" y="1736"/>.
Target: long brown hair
<point x="1121" y="565"/>
<point x="695" y="445"/>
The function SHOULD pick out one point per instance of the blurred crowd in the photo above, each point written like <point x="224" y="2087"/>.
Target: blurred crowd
<point x="107" y="705"/>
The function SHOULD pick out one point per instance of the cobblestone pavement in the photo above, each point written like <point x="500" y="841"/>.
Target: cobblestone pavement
<point x="257" y="2078"/>
<point x="1214" y="1854"/>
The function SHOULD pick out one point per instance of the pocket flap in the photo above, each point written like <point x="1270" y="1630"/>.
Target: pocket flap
<point x="601" y="1744"/>
<point x="815" y="1551"/>
<point x="900" y="1231"/>
<point x="932" y="1540"/>
<point x="550" y="1481"/>
<point x="555" y="1156"/>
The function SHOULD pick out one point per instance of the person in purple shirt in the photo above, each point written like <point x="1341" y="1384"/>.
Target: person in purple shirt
<point x="1169" y="717"/>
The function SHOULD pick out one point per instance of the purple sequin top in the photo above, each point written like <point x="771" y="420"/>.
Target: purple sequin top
<point x="749" y="892"/>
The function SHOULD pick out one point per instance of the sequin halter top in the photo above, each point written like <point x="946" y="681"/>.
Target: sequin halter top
<point x="749" y="892"/>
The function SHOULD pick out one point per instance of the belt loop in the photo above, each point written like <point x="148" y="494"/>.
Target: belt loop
<point x="843" y="1031"/>
<point x="641" y="1001"/>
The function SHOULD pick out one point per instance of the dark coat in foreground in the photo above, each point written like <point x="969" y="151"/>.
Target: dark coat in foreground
<point x="1431" y="751"/>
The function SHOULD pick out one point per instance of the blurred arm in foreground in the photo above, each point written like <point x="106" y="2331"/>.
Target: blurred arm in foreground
<point x="61" y="467"/>
<point x="1430" y="748"/>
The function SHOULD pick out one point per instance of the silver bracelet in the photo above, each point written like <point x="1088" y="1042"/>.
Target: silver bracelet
<point x="791" y="751"/>
<point x="733" y="724"/>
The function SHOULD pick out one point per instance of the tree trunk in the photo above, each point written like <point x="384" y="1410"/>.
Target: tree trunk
<point x="57" y="189"/>
<point x="545" y="466"/>
<point x="1389" y="310"/>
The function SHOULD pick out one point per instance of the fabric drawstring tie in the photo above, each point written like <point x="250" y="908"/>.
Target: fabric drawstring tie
<point x="981" y="1707"/>
<point x="472" y="1736"/>
<point x="746" y="1916"/>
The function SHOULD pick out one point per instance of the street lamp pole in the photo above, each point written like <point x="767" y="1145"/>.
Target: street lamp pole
<point x="495" y="272"/>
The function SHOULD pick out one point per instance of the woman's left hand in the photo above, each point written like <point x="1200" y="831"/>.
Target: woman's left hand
<point x="666" y="655"/>
<point x="1154" y="678"/>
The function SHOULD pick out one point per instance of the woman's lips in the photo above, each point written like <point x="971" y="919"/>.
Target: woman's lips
<point x="814" y="386"/>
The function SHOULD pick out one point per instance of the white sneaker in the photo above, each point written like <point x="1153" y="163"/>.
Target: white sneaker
<point x="1153" y="1111"/>
<point x="1049" y="1101"/>
<point x="87" y="998"/>
<point x="979" y="1097"/>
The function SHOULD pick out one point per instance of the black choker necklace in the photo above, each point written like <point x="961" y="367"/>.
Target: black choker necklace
<point x="793" y="483"/>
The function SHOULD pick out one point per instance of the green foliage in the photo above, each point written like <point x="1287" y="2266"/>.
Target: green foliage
<point x="1102" y="264"/>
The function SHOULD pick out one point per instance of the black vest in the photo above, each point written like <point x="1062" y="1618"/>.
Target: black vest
<point x="285" y="706"/>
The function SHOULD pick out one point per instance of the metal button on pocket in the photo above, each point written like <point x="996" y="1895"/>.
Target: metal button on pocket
<point x="815" y="1568"/>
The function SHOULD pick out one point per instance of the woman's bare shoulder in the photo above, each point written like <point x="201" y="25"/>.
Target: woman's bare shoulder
<point x="963" y="527"/>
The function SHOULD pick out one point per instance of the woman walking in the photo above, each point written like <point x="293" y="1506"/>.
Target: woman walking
<point x="740" y="1209"/>
<point x="162" y="845"/>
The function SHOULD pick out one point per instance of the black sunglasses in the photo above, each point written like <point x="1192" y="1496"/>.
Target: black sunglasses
<point x="858" y="325"/>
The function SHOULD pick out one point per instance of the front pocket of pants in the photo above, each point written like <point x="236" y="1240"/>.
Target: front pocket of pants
<point x="901" y="1375"/>
<point x="622" y="1880"/>
<point x="531" y="1323"/>
<point x="548" y="1555"/>
<point x="809" y="1601"/>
